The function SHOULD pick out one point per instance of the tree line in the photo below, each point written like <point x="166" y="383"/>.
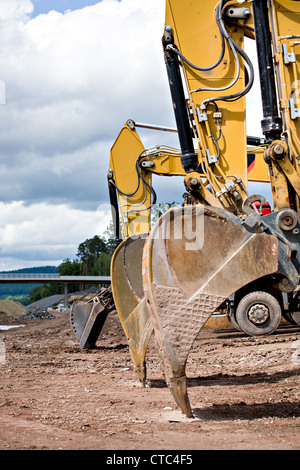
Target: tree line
<point x="93" y="258"/>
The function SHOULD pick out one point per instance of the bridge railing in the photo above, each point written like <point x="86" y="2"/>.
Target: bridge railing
<point x="53" y="277"/>
<point x="29" y="276"/>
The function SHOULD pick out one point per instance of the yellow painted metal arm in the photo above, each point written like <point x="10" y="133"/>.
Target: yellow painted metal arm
<point x="130" y="171"/>
<point x="219" y="124"/>
<point x="128" y="151"/>
<point x="131" y="183"/>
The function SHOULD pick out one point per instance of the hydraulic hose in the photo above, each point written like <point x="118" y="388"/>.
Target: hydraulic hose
<point x="235" y="49"/>
<point x="144" y="182"/>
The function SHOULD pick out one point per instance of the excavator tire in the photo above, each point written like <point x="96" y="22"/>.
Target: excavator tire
<point x="258" y="313"/>
<point x="289" y="318"/>
<point x="295" y="316"/>
<point x="233" y="322"/>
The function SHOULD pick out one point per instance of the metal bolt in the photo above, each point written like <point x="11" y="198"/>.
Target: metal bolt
<point x="194" y="182"/>
<point x="258" y="314"/>
<point x="278" y="150"/>
<point x="287" y="221"/>
<point x="131" y="124"/>
<point x="168" y="28"/>
<point x="260" y="229"/>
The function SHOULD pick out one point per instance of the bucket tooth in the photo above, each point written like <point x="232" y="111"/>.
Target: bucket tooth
<point x="140" y="371"/>
<point x="194" y="258"/>
<point x="178" y="388"/>
<point x="130" y="302"/>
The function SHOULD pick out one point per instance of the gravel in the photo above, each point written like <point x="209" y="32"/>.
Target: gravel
<point x="37" y="314"/>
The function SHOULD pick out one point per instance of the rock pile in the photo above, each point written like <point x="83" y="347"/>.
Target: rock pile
<point x="37" y="313"/>
<point x="11" y="308"/>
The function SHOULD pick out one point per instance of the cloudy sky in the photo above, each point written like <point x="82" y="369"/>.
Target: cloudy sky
<point x="74" y="71"/>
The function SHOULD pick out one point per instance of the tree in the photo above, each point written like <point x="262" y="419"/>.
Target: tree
<point x="109" y="236"/>
<point x="88" y="252"/>
<point x="69" y="268"/>
<point x="102" y="265"/>
<point x="40" y="292"/>
<point x="93" y="258"/>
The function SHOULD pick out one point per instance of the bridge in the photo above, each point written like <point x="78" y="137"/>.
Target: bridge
<point x="51" y="278"/>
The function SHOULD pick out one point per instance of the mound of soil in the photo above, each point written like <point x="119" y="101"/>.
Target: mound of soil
<point x="244" y="391"/>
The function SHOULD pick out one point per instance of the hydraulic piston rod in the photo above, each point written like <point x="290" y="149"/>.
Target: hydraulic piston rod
<point x="189" y="159"/>
<point x="271" y="123"/>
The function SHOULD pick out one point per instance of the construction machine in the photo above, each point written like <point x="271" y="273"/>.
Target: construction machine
<point x="89" y="315"/>
<point x="220" y="248"/>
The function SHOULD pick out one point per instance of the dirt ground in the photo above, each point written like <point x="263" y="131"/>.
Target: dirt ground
<point x="244" y="391"/>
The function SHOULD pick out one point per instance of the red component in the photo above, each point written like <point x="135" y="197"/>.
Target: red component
<point x="266" y="209"/>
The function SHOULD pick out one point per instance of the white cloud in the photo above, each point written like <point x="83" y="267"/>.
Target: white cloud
<point x="45" y="232"/>
<point x="15" y="10"/>
<point x="71" y="80"/>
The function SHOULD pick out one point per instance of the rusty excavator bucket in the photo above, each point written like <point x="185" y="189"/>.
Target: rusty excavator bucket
<point x="194" y="258"/>
<point x="130" y="302"/>
<point x="88" y="317"/>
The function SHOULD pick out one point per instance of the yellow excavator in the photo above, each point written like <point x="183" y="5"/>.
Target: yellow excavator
<point x="222" y="248"/>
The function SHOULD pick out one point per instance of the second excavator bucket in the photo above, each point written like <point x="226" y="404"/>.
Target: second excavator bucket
<point x="194" y="258"/>
<point x="130" y="302"/>
<point x="88" y="317"/>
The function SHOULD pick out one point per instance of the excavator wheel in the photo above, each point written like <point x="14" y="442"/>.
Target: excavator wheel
<point x="258" y="313"/>
<point x="295" y="318"/>
<point x="288" y="317"/>
<point x="233" y="322"/>
<point x="194" y="258"/>
<point x="130" y="302"/>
